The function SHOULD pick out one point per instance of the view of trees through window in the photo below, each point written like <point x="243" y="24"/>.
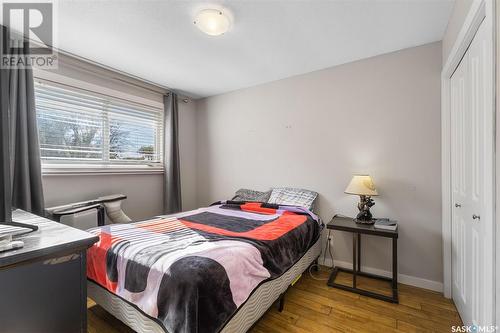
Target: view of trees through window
<point x="79" y="127"/>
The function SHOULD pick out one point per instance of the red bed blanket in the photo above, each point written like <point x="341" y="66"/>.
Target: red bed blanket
<point x="192" y="271"/>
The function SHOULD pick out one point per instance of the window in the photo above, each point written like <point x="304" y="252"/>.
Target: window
<point x="80" y="127"/>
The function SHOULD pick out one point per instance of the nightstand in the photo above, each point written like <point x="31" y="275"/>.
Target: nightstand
<point x="347" y="224"/>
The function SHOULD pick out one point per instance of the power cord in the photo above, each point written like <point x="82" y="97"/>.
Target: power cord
<point x="318" y="267"/>
<point x="328" y="249"/>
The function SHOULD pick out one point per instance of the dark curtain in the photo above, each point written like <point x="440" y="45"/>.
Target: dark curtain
<point x="172" y="182"/>
<point x="5" y="186"/>
<point x="20" y="164"/>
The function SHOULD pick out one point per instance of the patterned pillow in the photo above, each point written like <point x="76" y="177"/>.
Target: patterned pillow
<point x="293" y="196"/>
<point x="251" y="195"/>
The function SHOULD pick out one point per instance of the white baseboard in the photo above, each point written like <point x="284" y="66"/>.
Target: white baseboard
<point x="402" y="278"/>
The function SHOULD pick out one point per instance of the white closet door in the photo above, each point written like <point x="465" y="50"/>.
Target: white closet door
<point x="471" y="161"/>
<point x="461" y="188"/>
<point x="478" y="100"/>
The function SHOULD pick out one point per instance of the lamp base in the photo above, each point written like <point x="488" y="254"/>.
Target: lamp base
<point x="367" y="222"/>
<point x="365" y="216"/>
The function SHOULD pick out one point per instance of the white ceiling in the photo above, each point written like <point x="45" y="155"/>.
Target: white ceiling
<point x="269" y="40"/>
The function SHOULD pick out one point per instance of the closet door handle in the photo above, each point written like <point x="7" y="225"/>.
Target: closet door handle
<point x="476" y="217"/>
<point x="457" y="205"/>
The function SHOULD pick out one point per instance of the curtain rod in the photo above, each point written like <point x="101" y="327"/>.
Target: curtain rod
<point x="167" y="90"/>
<point x="120" y="72"/>
<point x="185" y="100"/>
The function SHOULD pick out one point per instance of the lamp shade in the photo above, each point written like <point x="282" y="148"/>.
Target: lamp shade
<point x="361" y="185"/>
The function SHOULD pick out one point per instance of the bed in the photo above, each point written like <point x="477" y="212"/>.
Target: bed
<point x="214" y="269"/>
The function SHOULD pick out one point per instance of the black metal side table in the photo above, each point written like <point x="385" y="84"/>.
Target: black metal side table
<point x="347" y="224"/>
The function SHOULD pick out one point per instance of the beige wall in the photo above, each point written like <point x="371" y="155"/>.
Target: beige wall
<point x="460" y="11"/>
<point x="379" y="116"/>
<point x="145" y="192"/>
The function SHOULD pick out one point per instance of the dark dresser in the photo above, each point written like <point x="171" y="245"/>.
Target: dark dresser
<point x="43" y="286"/>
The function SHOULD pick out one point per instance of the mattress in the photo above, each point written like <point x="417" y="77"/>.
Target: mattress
<point x="247" y="315"/>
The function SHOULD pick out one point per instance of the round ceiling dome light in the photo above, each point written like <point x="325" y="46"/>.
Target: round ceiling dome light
<point x="213" y="22"/>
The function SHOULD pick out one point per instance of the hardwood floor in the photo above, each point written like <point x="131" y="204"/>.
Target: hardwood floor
<point x="312" y="306"/>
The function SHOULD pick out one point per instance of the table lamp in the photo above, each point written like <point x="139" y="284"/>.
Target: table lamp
<point x="363" y="186"/>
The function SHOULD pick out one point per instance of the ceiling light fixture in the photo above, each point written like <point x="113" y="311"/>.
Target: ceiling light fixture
<point x="213" y="22"/>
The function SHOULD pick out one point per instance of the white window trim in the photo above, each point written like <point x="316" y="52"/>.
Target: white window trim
<point x="49" y="169"/>
<point x="78" y="169"/>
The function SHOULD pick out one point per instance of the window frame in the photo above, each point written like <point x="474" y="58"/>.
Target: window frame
<point x="56" y="167"/>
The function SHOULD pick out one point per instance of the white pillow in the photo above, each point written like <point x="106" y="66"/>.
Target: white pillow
<point x="293" y="197"/>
